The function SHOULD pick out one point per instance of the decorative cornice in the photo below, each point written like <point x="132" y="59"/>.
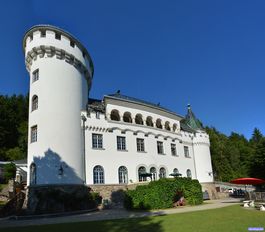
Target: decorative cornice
<point x="50" y="51"/>
<point x="187" y="143"/>
<point x="202" y="143"/>
<point x="135" y="132"/>
<point x="96" y="128"/>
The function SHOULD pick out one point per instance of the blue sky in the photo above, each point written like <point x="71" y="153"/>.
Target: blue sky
<point x="210" y="54"/>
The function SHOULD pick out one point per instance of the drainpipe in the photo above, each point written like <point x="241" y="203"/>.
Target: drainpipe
<point x="194" y="157"/>
<point x="83" y="117"/>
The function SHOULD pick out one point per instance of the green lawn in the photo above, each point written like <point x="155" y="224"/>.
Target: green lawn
<point x="233" y="218"/>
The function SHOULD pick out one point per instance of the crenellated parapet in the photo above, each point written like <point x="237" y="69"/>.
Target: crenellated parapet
<point x="201" y="138"/>
<point x="45" y="41"/>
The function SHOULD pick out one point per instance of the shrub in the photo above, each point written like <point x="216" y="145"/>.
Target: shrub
<point x="163" y="193"/>
<point x="96" y="198"/>
<point x="53" y="199"/>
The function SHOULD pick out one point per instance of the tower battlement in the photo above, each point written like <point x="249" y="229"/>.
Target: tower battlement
<point x="45" y="41"/>
<point x="201" y="138"/>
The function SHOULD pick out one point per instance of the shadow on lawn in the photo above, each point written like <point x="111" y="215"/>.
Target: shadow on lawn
<point x="128" y="225"/>
<point x="144" y="224"/>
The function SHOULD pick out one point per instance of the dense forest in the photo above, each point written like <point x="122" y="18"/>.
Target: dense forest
<point x="232" y="156"/>
<point x="13" y="127"/>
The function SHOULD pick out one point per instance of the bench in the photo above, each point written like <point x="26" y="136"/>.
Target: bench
<point x="261" y="206"/>
<point x="249" y="203"/>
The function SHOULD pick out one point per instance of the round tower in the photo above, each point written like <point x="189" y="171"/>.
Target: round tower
<point x="61" y="72"/>
<point x="201" y="148"/>
<point x="202" y="157"/>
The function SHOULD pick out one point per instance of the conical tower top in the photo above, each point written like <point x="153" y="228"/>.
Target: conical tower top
<point x="191" y="119"/>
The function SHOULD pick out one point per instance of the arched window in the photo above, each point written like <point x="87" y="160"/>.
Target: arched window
<point x="34" y="103"/>
<point x="141" y="174"/>
<point x="159" y="123"/>
<point x="167" y="126"/>
<point x="153" y="172"/>
<point x="189" y="173"/>
<point x="162" y="173"/>
<point x="98" y="175"/>
<point x="175" y="171"/>
<point x="34" y="134"/>
<point x="149" y="121"/>
<point x="114" y="115"/>
<point x="127" y="117"/>
<point x="139" y="119"/>
<point x="32" y="177"/>
<point x="123" y="175"/>
<point x="175" y="127"/>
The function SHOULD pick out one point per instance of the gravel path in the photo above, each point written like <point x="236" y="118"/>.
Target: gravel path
<point x="110" y="214"/>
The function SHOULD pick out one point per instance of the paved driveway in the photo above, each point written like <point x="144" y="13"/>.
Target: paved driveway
<point x="111" y="214"/>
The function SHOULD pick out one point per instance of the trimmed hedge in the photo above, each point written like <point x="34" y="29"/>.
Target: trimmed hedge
<point x="163" y="193"/>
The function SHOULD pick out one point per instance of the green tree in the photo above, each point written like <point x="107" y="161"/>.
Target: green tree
<point x="15" y="154"/>
<point x="13" y="126"/>
<point x="231" y="156"/>
<point x="257" y="143"/>
<point x="258" y="163"/>
<point x="240" y="154"/>
<point x="222" y="168"/>
<point x="23" y="138"/>
<point x="256" y="137"/>
<point x="9" y="171"/>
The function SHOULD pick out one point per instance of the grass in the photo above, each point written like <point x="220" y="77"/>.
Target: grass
<point x="229" y="219"/>
<point x="2" y="203"/>
<point x="2" y="186"/>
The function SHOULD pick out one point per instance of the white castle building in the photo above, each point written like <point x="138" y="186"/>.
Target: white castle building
<point x="74" y="139"/>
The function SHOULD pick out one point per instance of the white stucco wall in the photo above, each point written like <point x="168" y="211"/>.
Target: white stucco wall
<point x="111" y="159"/>
<point x="203" y="157"/>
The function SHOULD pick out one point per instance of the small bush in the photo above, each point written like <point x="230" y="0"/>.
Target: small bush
<point x="163" y="193"/>
<point x="96" y="198"/>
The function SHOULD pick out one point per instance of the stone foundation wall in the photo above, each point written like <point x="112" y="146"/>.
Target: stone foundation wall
<point x="61" y="198"/>
<point x="222" y="195"/>
<point x="106" y="190"/>
<point x="257" y="196"/>
<point x="211" y="189"/>
<point x="57" y="198"/>
<point x="114" y="194"/>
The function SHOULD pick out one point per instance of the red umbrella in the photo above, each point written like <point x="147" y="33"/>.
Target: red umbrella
<point x="247" y="180"/>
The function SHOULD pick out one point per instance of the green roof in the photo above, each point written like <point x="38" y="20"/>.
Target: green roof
<point x="192" y="121"/>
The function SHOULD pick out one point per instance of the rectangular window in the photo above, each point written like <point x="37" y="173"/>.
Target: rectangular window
<point x="173" y="149"/>
<point x="57" y="36"/>
<point x="186" y="152"/>
<point x="160" y="149"/>
<point x="35" y="75"/>
<point x="72" y="43"/>
<point x="121" y="144"/>
<point x="42" y="33"/>
<point x="97" y="115"/>
<point x="97" y="141"/>
<point x="140" y="144"/>
<point x="33" y="134"/>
